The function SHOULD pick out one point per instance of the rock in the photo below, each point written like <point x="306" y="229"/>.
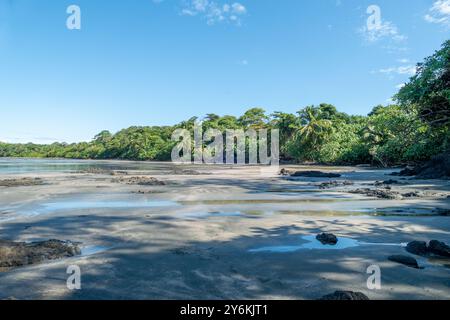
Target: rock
<point x="437" y="168"/>
<point x="21" y="182"/>
<point x="315" y="174"/>
<point x="406" y="260"/>
<point x="411" y="195"/>
<point x="327" y="238"/>
<point x="439" y="248"/>
<point x="345" y="295"/>
<point x="418" y="248"/>
<point x="382" y="194"/>
<point x="141" y="181"/>
<point x="434" y="247"/>
<point x="335" y="183"/>
<point x="285" y="172"/>
<point x="119" y="173"/>
<point x="387" y="182"/>
<point x="16" y="254"/>
<point x="408" y="172"/>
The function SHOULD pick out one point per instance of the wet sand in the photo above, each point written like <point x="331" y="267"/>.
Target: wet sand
<point x="221" y="233"/>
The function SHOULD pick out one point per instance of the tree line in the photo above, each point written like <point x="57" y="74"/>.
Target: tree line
<point x="412" y="130"/>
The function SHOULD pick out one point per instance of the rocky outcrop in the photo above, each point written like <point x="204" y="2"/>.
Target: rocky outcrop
<point x="377" y="193"/>
<point x="16" y="254"/>
<point x="407" y="172"/>
<point x="345" y="295"/>
<point x="327" y="239"/>
<point x="434" y="247"/>
<point x="439" y="248"/>
<point x="21" y="182"/>
<point x="405" y="260"/>
<point x="386" y="182"/>
<point x="315" y="174"/>
<point x="437" y="168"/>
<point x="140" y="181"/>
<point x="418" y="248"/>
<point x="335" y="183"/>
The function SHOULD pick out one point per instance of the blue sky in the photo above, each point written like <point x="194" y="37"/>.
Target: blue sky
<point x="158" y="62"/>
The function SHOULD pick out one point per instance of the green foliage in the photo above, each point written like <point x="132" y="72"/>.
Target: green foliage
<point x="429" y="90"/>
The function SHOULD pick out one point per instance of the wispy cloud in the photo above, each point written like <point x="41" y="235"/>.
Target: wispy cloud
<point x="439" y="13"/>
<point x="214" y="11"/>
<point x="385" y="30"/>
<point x="401" y="70"/>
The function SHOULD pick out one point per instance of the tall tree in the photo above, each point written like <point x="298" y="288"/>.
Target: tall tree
<point x="429" y="89"/>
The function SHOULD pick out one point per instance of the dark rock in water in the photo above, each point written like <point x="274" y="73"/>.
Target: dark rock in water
<point x="285" y="172"/>
<point x="439" y="248"/>
<point x="418" y="248"/>
<point x="345" y="295"/>
<point x="406" y="173"/>
<point x="411" y="195"/>
<point x="434" y="247"/>
<point x="387" y="182"/>
<point x="382" y="194"/>
<point x="327" y="238"/>
<point x="16" y="254"/>
<point x="406" y="260"/>
<point x="315" y="174"/>
<point x="335" y="183"/>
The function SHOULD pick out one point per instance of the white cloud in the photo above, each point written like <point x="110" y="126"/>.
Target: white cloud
<point x="399" y="86"/>
<point x="215" y="12"/>
<point x="402" y="70"/>
<point x="384" y="30"/>
<point x="439" y="13"/>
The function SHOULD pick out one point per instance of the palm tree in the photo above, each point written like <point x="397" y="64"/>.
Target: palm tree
<point x="313" y="129"/>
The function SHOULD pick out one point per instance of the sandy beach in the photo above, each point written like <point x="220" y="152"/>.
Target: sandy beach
<point x="220" y="232"/>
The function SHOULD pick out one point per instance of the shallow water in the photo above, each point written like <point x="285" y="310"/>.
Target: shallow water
<point x="19" y="166"/>
<point x="314" y="244"/>
<point x="83" y="205"/>
<point x="63" y="205"/>
<point x="91" y="250"/>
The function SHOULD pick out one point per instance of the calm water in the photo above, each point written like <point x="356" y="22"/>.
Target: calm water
<point x="18" y="166"/>
<point x="313" y="244"/>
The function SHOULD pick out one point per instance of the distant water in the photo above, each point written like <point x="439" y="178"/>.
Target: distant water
<point x="18" y="166"/>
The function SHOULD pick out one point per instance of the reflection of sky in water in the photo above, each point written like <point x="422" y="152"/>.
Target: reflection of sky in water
<point x="313" y="243"/>
<point x="90" y="250"/>
<point x="83" y="205"/>
<point x="73" y="204"/>
<point x="18" y="166"/>
<point x="200" y="215"/>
